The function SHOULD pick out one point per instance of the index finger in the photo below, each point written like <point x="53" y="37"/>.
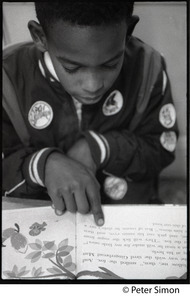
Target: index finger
<point x="95" y="203"/>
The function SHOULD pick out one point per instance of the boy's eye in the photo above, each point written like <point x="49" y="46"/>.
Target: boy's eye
<point x="113" y="66"/>
<point x="75" y="69"/>
<point x="71" y="70"/>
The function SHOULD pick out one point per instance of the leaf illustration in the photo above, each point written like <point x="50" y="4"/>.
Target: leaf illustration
<point x="35" y="246"/>
<point x="19" y="242"/>
<point x="63" y="253"/>
<point x="63" y="243"/>
<point x="23" y="273"/>
<point x="48" y="255"/>
<point x="37" y="241"/>
<point x="70" y="266"/>
<point x="54" y="270"/>
<point x="23" y="269"/>
<point x="33" y="271"/>
<point x="36" y="258"/>
<point x="66" y="248"/>
<point x="16" y="272"/>
<point x="68" y="260"/>
<point x="62" y="248"/>
<point x="9" y="274"/>
<point x="49" y="245"/>
<point x="70" y="248"/>
<point x="15" y="269"/>
<point x="33" y="254"/>
<point x="37" y="272"/>
<point x="2" y="241"/>
<point x="7" y="233"/>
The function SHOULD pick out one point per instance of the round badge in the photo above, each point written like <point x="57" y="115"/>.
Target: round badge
<point x="113" y="103"/>
<point x="115" y="187"/>
<point x="167" y="115"/>
<point x="169" y="140"/>
<point x="40" y="115"/>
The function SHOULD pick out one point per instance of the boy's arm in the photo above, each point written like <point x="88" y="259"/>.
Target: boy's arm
<point x="28" y="173"/>
<point x="22" y="174"/>
<point x="145" y="151"/>
<point x="23" y="166"/>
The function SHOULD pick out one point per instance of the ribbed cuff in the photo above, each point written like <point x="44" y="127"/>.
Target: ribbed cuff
<point x="99" y="148"/>
<point x="34" y="166"/>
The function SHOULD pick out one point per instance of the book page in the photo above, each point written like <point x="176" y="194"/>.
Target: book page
<point x="136" y="242"/>
<point x="37" y="244"/>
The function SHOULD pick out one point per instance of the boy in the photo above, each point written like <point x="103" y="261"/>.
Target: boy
<point x="88" y="112"/>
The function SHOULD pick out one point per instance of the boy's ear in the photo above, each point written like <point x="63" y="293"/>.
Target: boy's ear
<point x="131" y="24"/>
<point x="38" y="35"/>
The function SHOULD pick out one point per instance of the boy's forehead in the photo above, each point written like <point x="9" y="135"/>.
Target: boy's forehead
<point x="100" y="42"/>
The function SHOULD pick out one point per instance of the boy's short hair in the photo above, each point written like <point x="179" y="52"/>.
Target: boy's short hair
<point x="83" y="12"/>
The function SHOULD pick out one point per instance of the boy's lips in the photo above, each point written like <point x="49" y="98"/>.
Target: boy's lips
<point x="89" y="100"/>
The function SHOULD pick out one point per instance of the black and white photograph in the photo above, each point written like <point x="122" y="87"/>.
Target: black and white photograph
<point x="95" y="144"/>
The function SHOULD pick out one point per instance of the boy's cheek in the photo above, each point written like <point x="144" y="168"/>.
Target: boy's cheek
<point x="67" y="83"/>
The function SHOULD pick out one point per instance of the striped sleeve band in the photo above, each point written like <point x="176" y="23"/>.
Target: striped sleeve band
<point x="34" y="166"/>
<point x="164" y="82"/>
<point x="99" y="147"/>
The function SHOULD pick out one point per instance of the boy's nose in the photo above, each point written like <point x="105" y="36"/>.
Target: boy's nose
<point x="93" y="84"/>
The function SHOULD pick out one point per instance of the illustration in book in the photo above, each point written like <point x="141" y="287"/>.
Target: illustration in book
<point x="37" y="244"/>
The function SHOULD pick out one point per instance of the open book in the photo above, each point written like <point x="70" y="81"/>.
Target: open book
<point x="136" y="242"/>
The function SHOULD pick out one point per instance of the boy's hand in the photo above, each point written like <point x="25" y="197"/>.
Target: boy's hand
<point x="72" y="187"/>
<point x="80" y="151"/>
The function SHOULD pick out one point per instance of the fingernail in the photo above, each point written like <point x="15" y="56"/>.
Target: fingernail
<point x="53" y="206"/>
<point x="58" y="212"/>
<point x="100" y="222"/>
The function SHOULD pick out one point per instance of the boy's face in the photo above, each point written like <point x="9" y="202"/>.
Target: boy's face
<point x="87" y="59"/>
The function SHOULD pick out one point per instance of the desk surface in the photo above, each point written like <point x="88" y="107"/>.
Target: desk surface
<point x="15" y="203"/>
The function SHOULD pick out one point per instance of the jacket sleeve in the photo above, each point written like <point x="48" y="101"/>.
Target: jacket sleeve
<point x="23" y="167"/>
<point x="141" y="153"/>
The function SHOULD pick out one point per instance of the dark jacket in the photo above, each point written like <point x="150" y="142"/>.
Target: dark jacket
<point x="135" y="122"/>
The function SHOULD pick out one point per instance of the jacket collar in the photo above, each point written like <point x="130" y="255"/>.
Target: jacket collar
<point x="46" y="67"/>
